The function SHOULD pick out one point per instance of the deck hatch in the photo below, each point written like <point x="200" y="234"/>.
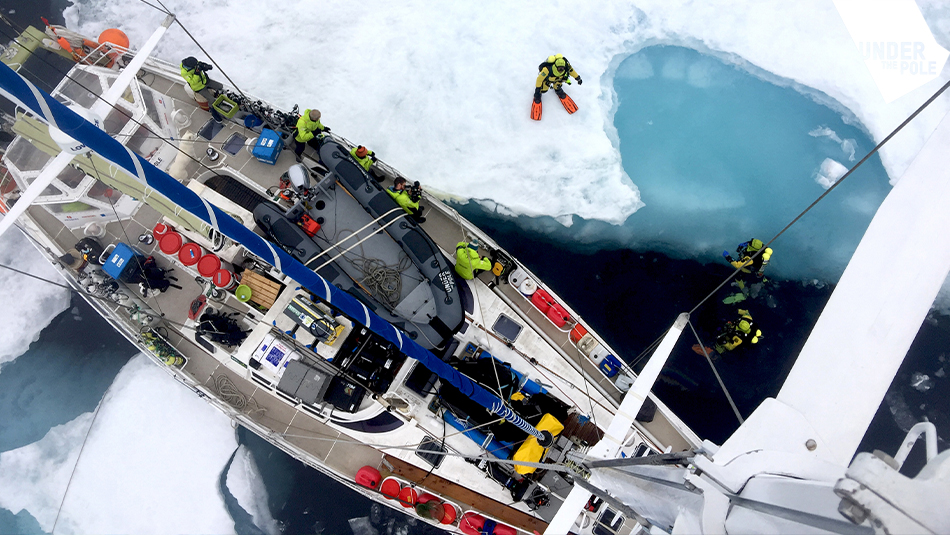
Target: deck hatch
<point x="430" y="450"/>
<point x="507" y="328"/>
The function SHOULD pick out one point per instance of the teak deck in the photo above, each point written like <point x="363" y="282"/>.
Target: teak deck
<point x="451" y="490"/>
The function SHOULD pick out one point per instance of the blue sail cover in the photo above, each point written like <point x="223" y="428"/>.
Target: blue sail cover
<point x="44" y="106"/>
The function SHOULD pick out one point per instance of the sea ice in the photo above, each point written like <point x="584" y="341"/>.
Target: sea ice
<point x="443" y="94"/>
<point x="362" y="526"/>
<point x="245" y="483"/>
<point x="151" y="463"/>
<point x="37" y="302"/>
<point x="829" y="173"/>
<point x="35" y="477"/>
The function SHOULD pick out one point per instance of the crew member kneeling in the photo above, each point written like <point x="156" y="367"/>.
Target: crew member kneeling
<point x="408" y="198"/>
<point x="467" y="262"/>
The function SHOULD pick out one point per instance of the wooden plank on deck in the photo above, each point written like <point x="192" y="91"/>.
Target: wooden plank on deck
<point x="453" y="491"/>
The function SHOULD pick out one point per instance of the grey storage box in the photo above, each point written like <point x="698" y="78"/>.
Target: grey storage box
<point x="304" y="383"/>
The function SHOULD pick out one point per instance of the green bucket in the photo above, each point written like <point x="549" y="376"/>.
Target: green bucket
<point x="225" y="106"/>
<point x="243" y="293"/>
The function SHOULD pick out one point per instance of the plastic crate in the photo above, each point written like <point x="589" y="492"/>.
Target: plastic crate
<point x="268" y="147"/>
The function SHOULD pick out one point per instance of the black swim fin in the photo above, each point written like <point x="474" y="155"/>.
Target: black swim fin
<point x="536" y="110"/>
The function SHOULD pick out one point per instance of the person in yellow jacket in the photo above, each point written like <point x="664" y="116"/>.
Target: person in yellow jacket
<point x="553" y="73"/>
<point x="408" y="199"/>
<point x="467" y="262"/>
<point x="753" y="257"/>
<point x="196" y="74"/>
<point x="748" y="261"/>
<point x="735" y="333"/>
<point x="363" y="156"/>
<point x="308" y="126"/>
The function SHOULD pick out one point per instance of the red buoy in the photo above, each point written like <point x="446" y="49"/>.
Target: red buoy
<point x="189" y="254"/>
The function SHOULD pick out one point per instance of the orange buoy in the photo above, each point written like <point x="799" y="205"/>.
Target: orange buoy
<point x="115" y="37"/>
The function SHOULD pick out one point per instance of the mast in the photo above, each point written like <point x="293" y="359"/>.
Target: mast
<point x="608" y="446"/>
<point x="25" y="94"/>
<point x="786" y="469"/>
<point x="99" y="109"/>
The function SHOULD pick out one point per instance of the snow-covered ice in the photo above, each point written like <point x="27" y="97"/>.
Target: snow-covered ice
<point x="22" y="323"/>
<point x="443" y="91"/>
<point x="246" y="485"/>
<point x="151" y="463"/>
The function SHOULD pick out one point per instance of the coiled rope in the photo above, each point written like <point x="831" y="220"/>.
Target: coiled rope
<point x="226" y="390"/>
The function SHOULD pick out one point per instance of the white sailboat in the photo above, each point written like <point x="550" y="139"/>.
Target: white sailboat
<point x="353" y="347"/>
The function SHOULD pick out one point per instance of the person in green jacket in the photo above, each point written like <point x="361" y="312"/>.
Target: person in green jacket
<point x="467" y="262"/>
<point x="308" y="126"/>
<point x="363" y="156"/>
<point x="196" y="74"/>
<point x="408" y="199"/>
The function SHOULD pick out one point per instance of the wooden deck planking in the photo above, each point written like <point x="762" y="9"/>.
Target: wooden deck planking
<point x="455" y="492"/>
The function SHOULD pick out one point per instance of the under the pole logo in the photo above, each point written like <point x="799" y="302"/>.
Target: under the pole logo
<point x="895" y="43"/>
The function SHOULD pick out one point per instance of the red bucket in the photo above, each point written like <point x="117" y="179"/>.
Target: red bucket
<point x="208" y="265"/>
<point x="170" y="243"/>
<point x="160" y="230"/>
<point x="189" y="254"/>
<point x="224" y="279"/>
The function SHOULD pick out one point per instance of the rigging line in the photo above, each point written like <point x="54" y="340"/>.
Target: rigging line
<point x="590" y="400"/>
<point x="442" y="448"/>
<point x="546" y="466"/>
<point x="650" y="349"/>
<point x="104" y="299"/>
<point x="192" y="37"/>
<point x="541" y="368"/>
<point x="716" y="373"/>
<point x="78" y="457"/>
<point x="165" y="140"/>
<point x="129" y="240"/>
<point x="163" y="9"/>
<point x="833" y="186"/>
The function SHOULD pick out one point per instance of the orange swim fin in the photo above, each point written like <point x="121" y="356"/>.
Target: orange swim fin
<point x="536" y="110"/>
<point x="568" y="104"/>
<point x="566" y="101"/>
